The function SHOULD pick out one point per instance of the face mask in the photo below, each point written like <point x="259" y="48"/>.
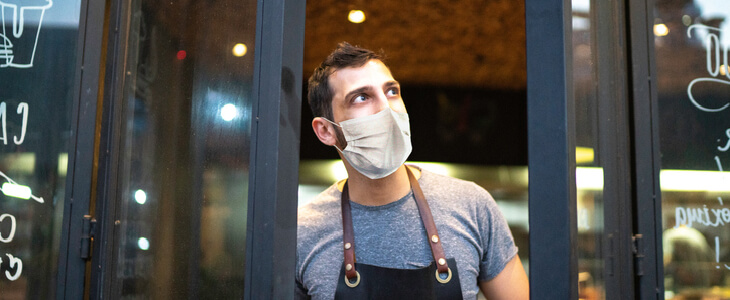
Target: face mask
<point x="378" y="144"/>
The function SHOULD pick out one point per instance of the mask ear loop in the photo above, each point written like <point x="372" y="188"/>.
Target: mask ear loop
<point x="338" y="125"/>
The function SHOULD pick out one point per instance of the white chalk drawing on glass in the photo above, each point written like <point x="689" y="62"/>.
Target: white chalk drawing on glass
<point x="13" y="189"/>
<point x="14" y="262"/>
<point x="18" y="45"/>
<point x="718" y="64"/>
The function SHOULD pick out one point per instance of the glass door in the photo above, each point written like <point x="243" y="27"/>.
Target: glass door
<point x="187" y="183"/>
<point x="184" y="143"/>
<point x="38" y="47"/>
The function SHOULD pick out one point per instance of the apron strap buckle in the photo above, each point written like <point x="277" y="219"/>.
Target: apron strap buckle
<point x="438" y="277"/>
<point x="357" y="279"/>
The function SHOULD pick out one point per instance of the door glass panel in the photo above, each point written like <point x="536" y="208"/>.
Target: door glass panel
<point x="589" y="171"/>
<point x="184" y="153"/>
<point x="37" y="70"/>
<point x="692" y="39"/>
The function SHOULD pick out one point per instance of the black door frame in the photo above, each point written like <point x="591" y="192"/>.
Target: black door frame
<point x="80" y="170"/>
<point x="649" y="265"/>
<point x="275" y="133"/>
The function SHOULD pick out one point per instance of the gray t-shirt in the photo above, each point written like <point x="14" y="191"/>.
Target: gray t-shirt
<point x="472" y="229"/>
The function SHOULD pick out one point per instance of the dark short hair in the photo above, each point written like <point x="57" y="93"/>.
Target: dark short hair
<point x="345" y="56"/>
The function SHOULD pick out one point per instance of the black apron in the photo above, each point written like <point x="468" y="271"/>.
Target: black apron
<point x="440" y="280"/>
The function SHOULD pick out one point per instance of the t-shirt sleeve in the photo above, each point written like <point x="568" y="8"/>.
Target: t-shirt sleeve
<point x="496" y="239"/>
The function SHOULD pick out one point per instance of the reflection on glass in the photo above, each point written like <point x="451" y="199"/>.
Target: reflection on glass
<point x="693" y="88"/>
<point x="37" y="69"/>
<point x="184" y="162"/>
<point x="589" y="174"/>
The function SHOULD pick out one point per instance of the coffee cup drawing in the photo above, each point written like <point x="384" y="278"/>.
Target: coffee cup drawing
<point x="19" y="37"/>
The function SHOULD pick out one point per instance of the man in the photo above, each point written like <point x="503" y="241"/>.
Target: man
<point x="396" y="251"/>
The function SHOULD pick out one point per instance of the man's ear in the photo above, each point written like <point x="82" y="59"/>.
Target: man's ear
<point x="325" y="131"/>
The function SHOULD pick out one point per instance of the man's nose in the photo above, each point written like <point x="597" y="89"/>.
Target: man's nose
<point x="383" y="101"/>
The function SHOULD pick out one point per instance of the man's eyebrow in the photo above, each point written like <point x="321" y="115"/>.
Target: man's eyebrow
<point x="357" y="91"/>
<point x="391" y="83"/>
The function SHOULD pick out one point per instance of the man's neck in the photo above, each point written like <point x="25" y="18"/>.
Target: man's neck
<point x="376" y="192"/>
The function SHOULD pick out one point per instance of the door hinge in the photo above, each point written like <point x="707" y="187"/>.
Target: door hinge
<point x="638" y="244"/>
<point x="87" y="236"/>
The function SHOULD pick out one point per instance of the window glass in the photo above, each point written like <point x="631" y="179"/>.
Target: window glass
<point x="184" y="153"/>
<point x="37" y="70"/>
<point x="692" y="39"/>
<point x="589" y="171"/>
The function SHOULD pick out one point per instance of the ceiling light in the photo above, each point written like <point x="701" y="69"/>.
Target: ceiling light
<point x="661" y="30"/>
<point x="143" y="243"/>
<point x="240" y="50"/>
<point x="356" y="16"/>
<point x="229" y="112"/>
<point x="694" y="180"/>
<point x="140" y="196"/>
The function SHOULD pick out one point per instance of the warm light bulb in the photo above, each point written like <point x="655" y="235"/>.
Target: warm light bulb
<point x="661" y="30"/>
<point x="240" y="50"/>
<point x="356" y="16"/>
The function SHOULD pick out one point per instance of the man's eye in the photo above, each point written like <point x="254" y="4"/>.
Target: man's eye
<point x="392" y="92"/>
<point x="359" y="98"/>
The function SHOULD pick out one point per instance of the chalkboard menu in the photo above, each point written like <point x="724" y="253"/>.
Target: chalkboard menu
<point x="692" y="41"/>
<point x="37" y="58"/>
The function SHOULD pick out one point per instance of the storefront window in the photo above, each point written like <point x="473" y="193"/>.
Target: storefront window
<point x="184" y="162"/>
<point x="692" y="41"/>
<point x="37" y="68"/>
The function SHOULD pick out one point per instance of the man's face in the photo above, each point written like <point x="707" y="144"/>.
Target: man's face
<point x="363" y="91"/>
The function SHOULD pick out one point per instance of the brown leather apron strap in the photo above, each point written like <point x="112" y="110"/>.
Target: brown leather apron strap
<point x="348" y="234"/>
<point x="434" y="240"/>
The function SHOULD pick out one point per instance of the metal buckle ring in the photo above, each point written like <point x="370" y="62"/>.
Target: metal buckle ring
<point x="357" y="281"/>
<point x="438" y="278"/>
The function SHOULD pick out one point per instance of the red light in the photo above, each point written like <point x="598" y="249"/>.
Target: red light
<point x="181" y="54"/>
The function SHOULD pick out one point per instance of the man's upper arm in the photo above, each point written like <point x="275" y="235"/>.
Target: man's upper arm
<point x="510" y="283"/>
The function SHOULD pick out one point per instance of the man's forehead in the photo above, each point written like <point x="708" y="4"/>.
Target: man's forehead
<point x="371" y="70"/>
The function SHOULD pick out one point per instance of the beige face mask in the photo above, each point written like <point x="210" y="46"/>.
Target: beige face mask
<point x="378" y="144"/>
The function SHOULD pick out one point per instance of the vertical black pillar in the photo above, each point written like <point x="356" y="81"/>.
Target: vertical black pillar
<point x="551" y="150"/>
